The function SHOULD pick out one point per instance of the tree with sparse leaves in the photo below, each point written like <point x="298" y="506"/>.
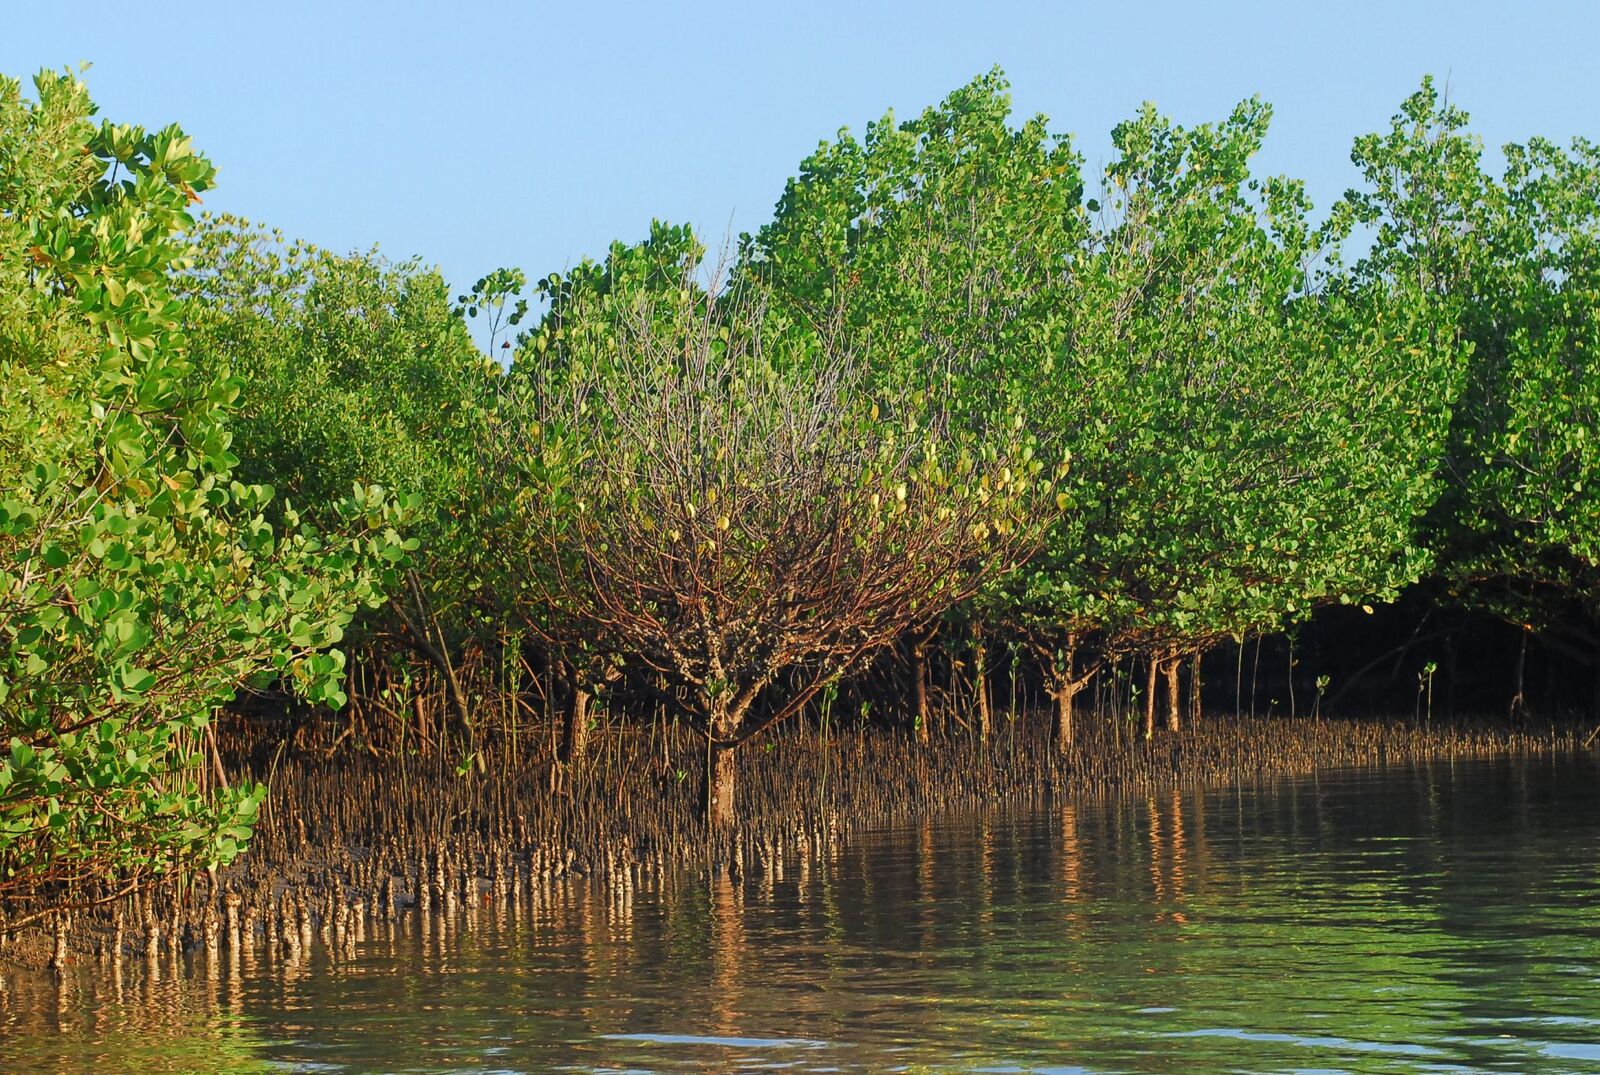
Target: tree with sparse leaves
<point x="726" y="497"/>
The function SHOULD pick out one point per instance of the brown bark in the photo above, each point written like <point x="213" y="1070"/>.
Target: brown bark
<point x="1150" y="698"/>
<point x="1194" y="691"/>
<point x="1064" y="697"/>
<point x="1065" y="689"/>
<point x="424" y="728"/>
<point x="426" y="638"/>
<point x="575" y="730"/>
<point x="980" y="680"/>
<point x="1173" y="696"/>
<point x="720" y="771"/>
<point x="1519" y="705"/>
<point x="919" y="691"/>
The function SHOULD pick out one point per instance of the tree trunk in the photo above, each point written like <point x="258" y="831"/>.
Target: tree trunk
<point x="1519" y="705"/>
<point x="424" y="730"/>
<point x="421" y="635"/>
<point x="1065" y="688"/>
<point x="980" y="680"/>
<point x="1291" y="675"/>
<point x="1150" y="698"/>
<point x="1064" y="697"/>
<point x="919" y="690"/>
<point x="720" y="770"/>
<point x="1194" y="691"/>
<point x="575" y="732"/>
<point x="1174" y="664"/>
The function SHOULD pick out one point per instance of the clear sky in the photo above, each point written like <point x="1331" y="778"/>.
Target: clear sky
<point x="533" y="134"/>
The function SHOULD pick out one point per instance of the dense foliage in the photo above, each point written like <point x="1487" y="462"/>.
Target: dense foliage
<point x="953" y="386"/>
<point x="356" y="372"/>
<point x="1513" y="264"/>
<point x="1246" y="436"/>
<point x="141" y="584"/>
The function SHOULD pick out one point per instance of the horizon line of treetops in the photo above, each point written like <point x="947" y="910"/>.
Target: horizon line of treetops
<point x="956" y="391"/>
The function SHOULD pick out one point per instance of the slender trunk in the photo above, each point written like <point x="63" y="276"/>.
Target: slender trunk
<point x="458" y="697"/>
<point x="1194" y="691"/>
<point x="980" y="680"/>
<point x="427" y="638"/>
<point x="1519" y="706"/>
<point x="1174" y="664"/>
<point x="424" y="730"/>
<point x="1255" y="673"/>
<point x="575" y="731"/>
<point x="216" y="755"/>
<point x="1291" y="677"/>
<point x="720" y="770"/>
<point x="1150" y="698"/>
<point x="919" y="690"/>
<point x="1238" y="682"/>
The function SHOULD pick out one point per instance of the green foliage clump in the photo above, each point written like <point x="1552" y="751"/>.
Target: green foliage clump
<point x="1239" y="436"/>
<point x="1513" y="265"/>
<point x="1267" y="433"/>
<point x="141" y="584"/>
<point x="352" y="371"/>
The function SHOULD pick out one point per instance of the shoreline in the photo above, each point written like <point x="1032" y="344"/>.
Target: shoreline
<point x="356" y="839"/>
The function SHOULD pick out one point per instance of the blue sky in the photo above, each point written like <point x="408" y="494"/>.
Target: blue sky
<point x="533" y="134"/>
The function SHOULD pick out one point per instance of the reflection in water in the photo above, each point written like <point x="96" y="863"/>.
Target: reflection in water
<point x="1433" y="918"/>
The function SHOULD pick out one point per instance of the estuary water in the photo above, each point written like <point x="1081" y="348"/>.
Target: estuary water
<point x="1434" y="918"/>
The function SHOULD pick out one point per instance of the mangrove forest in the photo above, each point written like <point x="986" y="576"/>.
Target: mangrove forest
<point x="328" y="590"/>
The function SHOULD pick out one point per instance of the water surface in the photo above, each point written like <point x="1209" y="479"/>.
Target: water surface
<point x="1440" y="918"/>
